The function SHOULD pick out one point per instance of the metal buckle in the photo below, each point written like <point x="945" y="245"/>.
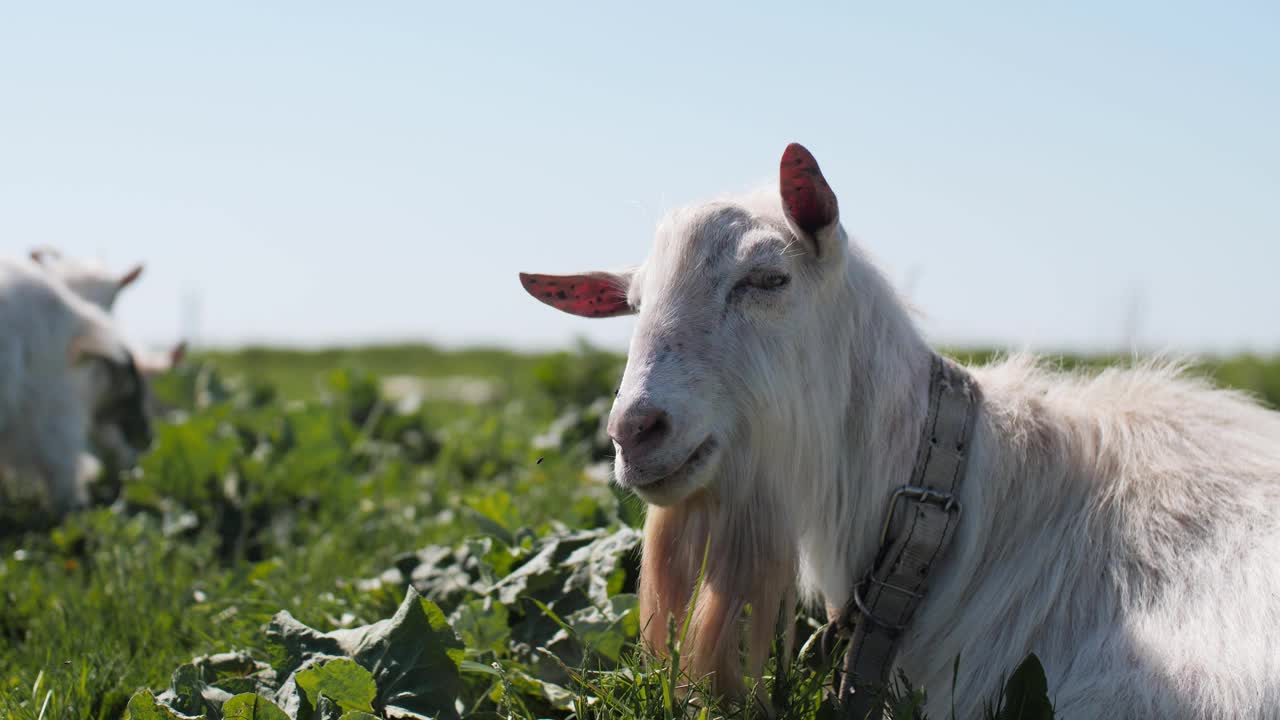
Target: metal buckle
<point x="870" y="616"/>
<point x="947" y="501"/>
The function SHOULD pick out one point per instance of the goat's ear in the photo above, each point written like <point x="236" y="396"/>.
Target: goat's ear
<point x="807" y="199"/>
<point x="43" y="254"/>
<point x="151" y="364"/>
<point x="130" y="277"/>
<point x="593" y="295"/>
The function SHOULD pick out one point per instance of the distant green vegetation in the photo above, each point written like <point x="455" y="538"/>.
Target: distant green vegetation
<point x="1256" y="375"/>
<point x="302" y="373"/>
<point x="287" y="480"/>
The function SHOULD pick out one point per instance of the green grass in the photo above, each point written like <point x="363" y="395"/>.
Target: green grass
<point x="302" y="373"/>
<point x="285" y="482"/>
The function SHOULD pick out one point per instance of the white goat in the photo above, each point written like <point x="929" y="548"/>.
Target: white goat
<point x="99" y="285"/>
<point x="46" y="333"/>
<point x="1123" y="527"/>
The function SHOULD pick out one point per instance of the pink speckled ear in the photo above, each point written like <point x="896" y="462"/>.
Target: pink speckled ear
<point x="593" y="295"/>
<point x="807" y="198"/>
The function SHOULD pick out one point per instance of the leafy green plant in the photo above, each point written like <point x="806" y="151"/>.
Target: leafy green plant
<point x="459" y="559"/>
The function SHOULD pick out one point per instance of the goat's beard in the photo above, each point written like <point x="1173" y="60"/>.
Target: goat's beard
<point x="749" y="561"/>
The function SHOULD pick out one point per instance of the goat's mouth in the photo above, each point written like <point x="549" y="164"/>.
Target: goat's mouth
<point x="675" y="485"/>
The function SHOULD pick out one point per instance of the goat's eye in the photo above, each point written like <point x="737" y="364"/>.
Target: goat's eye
<point x="772" y="280"/>
<point x="769" y="280"/>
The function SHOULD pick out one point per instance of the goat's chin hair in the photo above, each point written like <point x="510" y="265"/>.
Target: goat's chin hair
<point x="749" y="561"/>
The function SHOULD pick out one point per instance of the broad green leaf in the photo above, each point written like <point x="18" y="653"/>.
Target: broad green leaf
<point x="223" y="675"/>
<point x="298" y="643"/>
<point x="523" y="578"/>
<point x="486" y="556"/>
<point x="496" y="514"/>
<point x="592" y="567"/>
<point x="223" y="665"/>
<point x="357" y="716"/>
<point x="188" y="688"/>
<point x="341" y="680"/>
<point x="144" y="706"/>
<point x="605" y="631"/>
<point x="413" y="655"/>
<point x="251" y="706"/>
<point x="1026" y="694"/>
<point x="448" y="576"/>
<point x="327" y="709"/>
<point x="189" y="693"/>
<point x="570" y="570"/>
<point x="554" y="695"/>
<point x="482" y="624"/>
<point x="415" y="658"/>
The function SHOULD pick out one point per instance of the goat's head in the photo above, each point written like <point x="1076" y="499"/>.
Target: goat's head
<point x="115" y="389"/>
<point x="151" y="363"/>
<point x="90" y="281"/>
<point x="121" y="399"/>
<point x="722" y="301"/>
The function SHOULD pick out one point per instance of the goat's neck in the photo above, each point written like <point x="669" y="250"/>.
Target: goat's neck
<point x="875" y="435"/>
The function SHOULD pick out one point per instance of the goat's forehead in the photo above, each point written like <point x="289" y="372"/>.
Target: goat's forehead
<point x="82" y="269"/>
<point x="708" y="237"/>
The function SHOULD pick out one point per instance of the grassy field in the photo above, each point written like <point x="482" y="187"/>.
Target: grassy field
<point x="457" y="497"/>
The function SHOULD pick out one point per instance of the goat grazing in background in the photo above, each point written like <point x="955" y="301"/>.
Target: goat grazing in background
<point x="47" y="332"/>
<point x="1123" y="527"/>
<point x="99" y="285"/>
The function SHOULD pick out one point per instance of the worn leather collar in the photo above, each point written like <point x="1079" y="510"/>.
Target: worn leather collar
<point x="920" y="521"/>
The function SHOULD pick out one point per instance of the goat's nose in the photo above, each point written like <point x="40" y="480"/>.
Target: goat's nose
<point x="640" y="428"/>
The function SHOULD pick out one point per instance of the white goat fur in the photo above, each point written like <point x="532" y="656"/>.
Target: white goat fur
<point x="98" y="284"/>
<point x="44" y="414"/>
<point x="92" y="281"/>
<point x="1123" y="527"/>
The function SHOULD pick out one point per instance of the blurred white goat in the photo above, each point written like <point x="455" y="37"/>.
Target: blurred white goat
<point x="47" y="334"/>
<point x="101" y="286"/>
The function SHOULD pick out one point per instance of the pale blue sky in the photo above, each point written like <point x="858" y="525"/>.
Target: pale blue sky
<point x="330" y="172"/>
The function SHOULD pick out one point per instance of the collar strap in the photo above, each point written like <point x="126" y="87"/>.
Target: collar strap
<point x="919" y="524"/>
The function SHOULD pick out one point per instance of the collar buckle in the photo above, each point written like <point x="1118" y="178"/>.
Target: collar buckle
<point x="923" y="495"/>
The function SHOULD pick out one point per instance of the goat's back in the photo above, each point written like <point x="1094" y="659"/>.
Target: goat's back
<point x="1124" y="527"/>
